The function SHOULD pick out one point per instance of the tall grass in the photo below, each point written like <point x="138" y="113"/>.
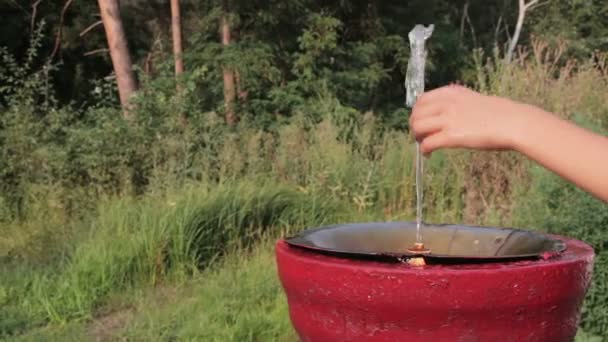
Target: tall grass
<point x="144" y="211"/>
<point x="145" y="242"/>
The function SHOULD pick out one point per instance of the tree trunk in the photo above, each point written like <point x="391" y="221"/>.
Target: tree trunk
<point x="176" y="29"/>
<point x="229" y="82"/>
<point x="119" y="52"/>
<point x="523" y="7"/>
<point x="465" y="10"/>
<point x="520" y="23"/>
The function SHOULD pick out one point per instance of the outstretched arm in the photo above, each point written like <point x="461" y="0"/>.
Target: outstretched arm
<point x="456" y="117"/>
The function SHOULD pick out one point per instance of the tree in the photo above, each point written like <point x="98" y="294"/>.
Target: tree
<point x="523" y="8"/>
<point x="176" y="29"/>
<point x="228" y="73"/>
<point x="119" y="53"/>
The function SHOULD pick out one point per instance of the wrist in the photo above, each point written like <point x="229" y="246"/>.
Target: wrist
<point x="528" y="122"/>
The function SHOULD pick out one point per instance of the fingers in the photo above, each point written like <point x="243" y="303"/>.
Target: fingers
<point x="430" y="117"/>
<point x="434" y="95"/>
<point x="424" y="112"/>
<point x="435" y="141"/>
<point x="426" y="109"/>
<point x="442" y="93"/>
<point x="434" y="102"/>
<point x="426" y="119"/>
<point x="427" y="126"/>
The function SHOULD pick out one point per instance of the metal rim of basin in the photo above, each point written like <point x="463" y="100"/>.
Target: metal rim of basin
<point x="447" y="242"/>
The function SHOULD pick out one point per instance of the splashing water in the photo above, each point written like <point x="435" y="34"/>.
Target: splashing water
<point x="414" y="85"/>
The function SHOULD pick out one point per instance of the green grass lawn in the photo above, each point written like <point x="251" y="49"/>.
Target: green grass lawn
<point x="239" y="300"/>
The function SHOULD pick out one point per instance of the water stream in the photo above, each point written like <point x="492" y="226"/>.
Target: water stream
<point x="414" y="85"/>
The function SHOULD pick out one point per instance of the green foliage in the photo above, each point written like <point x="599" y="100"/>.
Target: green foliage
<point x="581" y="23"/>
<point x="92" y="207"/>
<point x="272" y="39"/>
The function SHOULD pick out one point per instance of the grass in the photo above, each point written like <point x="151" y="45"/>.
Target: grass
<point x="240" y="299"/>
<point x="237" y="300"/>
<point x="135" y="243"/>
<point x="190" y="258"/>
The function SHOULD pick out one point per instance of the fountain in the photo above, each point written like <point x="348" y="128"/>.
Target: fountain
<point x="349" y="283"/>
<point x="357" y="282"/>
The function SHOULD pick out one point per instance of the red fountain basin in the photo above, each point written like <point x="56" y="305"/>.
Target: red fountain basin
<point x="333" y="298"/>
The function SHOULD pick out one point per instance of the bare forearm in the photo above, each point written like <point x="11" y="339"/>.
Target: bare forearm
<point x="574" y="153"/>
<point x="456" y="117"/>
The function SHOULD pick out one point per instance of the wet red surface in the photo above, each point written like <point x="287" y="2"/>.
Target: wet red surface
<point x="338" y="299"/>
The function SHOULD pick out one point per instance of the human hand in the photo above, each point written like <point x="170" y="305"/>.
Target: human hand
<point x="453" y="117"/>
<point x="457" y="117"/>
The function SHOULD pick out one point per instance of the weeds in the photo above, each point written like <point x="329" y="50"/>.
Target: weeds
<point x="93" y="207"/>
